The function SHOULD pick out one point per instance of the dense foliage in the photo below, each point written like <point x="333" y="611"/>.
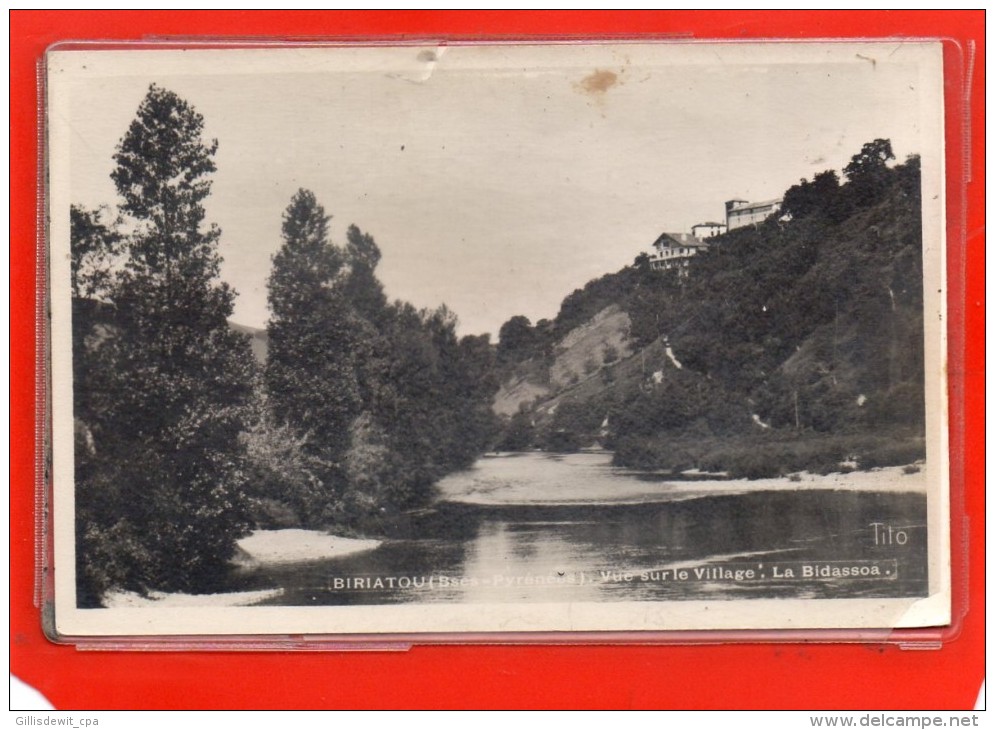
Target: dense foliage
<point x="385" y="399"/>
<point x="95" y="247"/>
<point x="311" y="371"/>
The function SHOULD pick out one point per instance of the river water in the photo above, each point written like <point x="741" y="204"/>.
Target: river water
<point x="541" y="528"/>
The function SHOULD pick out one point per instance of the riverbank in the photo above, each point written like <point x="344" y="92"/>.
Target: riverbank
<point x="262" y="548"/>
<point x="772" y="453"/>
<point x="525" y="479"/>
<point x="157" y="599"/>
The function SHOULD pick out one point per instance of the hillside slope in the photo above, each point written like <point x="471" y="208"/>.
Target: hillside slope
<point x="576" y="358"/>
<point x="796" y="343"/>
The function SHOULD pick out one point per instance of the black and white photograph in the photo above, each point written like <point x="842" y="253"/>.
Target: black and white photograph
<point x="497" y="338"/>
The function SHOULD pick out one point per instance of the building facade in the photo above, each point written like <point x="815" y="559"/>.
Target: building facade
<point x="707" y="230"/>
<point x="741" y="213"/>
<point x="674" y="250"/>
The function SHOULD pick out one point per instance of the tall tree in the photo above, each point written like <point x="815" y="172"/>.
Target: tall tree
<point x="176" y="377"/>
<point x="868" y="173"/>
<point x="365" y="296"/>
<point x="516" y="338"/>
<point x="95" y="243"/>
<point x="311" y="364"/>
<point x="812" y="198"/>
<point x="362" y="287"/>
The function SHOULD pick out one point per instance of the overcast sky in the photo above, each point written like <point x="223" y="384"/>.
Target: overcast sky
<point x="498" y="179"/>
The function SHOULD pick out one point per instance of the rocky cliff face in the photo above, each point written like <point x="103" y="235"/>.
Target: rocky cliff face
<point x="578" y="357"/>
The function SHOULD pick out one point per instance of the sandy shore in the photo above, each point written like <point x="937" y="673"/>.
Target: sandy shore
<point x="591" y="480"/>
<point x="261" y="548"/>
<point x="126" y="599"/>
<point x="280" y="547"/>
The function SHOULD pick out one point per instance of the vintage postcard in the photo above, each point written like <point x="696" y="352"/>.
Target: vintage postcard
<point x="514" y="338"/>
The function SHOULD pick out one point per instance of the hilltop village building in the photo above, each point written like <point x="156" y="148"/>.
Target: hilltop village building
<point x="741" y="213"/>
<point x="673" y="250"/>
<point x="707" y="230"/>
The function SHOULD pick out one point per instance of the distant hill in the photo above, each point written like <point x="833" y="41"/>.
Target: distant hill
<point x="792" y="344"/>
<point x="259" y="340"/>
<point x="101" y="313"/>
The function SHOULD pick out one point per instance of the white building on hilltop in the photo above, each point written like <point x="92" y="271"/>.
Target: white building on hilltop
<point x="674" y="250"/>
<point x="707" y="230"/>
<point x="741" y="213"/>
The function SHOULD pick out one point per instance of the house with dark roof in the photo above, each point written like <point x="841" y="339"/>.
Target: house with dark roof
<point x="674" y="250"/>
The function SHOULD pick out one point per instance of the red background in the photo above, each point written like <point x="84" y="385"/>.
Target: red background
<point x="736" y="676"/>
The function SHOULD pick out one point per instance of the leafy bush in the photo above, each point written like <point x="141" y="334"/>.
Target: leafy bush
<point x="280" y="469"/>
<point x="272" y="514"/>
<point x="897" y="452"/>
<point x="653" y="454"/>
<point x="518" y="433"/>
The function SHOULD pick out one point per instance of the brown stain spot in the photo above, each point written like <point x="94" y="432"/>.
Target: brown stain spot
<point x="599" y="82"/>
<point x="427" y="57"/>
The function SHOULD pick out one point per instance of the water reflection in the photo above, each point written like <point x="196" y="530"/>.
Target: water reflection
<point x="474" y="553"/>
